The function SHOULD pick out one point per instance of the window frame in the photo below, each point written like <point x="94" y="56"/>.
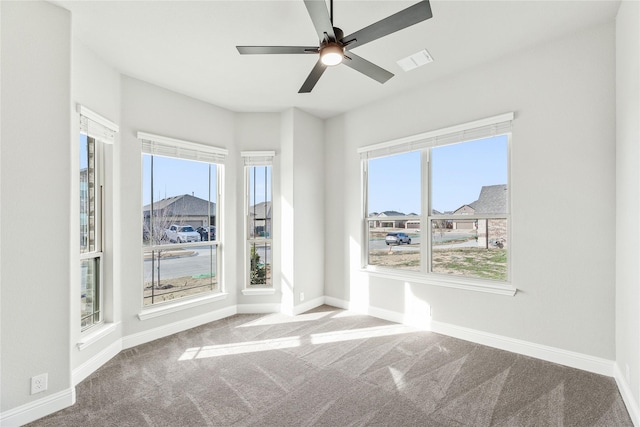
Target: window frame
<point x="160" y="146"/>
<point x="99" y="131"/>
<point x="480" y="129"/>
<point x="98" y="230"/>
<point x="256" y="159"/>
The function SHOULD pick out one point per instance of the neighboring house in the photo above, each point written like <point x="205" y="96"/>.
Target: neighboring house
<point x="260" y="217"/>
<point x="385" y="220"/>
<point x="464" y="224"/>
<point x="182" y="210"/>
<point x="492" y="200"/>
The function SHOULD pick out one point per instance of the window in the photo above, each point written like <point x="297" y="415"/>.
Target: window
<point x="180" y="218"/>
<point x="258" y="214"/>
<point x="437" y="203"/>
<point x="95" y="131"/>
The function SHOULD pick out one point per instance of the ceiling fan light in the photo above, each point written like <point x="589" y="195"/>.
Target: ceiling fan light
<point x="331" y="54"/>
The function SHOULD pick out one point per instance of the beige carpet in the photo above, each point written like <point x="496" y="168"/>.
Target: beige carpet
<point x="329" y="367"/>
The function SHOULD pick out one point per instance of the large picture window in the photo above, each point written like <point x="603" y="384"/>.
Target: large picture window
<point x="438" y="204"/>
<point x="258" y="214"/>
<point x="180" y="219"/>
<point x="95" y="132"/>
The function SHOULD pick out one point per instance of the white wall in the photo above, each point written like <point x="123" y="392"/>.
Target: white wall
<point x="259" y="132"/>
<point x="627" y="202"/>
<point x="302" y="209"/>
<point x="562" y="187"/>
<point x="149" y="108"/>
<point x="308" y="188"/>
<point x="35" y="175"/>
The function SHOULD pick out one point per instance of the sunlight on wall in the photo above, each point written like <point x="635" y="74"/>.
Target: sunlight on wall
<point x="417" y="312"/>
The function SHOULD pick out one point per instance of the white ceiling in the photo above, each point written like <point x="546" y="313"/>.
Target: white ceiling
<point x="189" y="46"/>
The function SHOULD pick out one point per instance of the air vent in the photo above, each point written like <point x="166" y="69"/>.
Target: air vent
<point x="416" y="60"/>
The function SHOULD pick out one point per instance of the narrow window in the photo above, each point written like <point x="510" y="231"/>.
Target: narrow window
<point x="258" y="214"/>
<point x="95" y="132"/>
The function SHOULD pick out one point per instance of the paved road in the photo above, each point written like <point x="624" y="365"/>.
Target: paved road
<point x="184" y="266"/>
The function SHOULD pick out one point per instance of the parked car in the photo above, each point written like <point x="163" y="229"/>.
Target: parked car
<point x="204" y="235"/>
<point x="182" y="234"/>
<point x="397" y="238"/>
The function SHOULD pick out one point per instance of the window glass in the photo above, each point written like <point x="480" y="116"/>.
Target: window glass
<point x="90" y="251"/>
<point x="259" y="224"/>
<point x="394" y="185"/>
<point x="178" y="228"/>
<point x="460" y="171"/>
<point x="87" y="194"/>
<point x="394" y="200"/>
<point x="467" y="226"/>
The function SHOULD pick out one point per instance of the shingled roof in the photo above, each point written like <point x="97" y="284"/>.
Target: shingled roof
<point x="493" y="199"/>
<point x="183" y="205"/>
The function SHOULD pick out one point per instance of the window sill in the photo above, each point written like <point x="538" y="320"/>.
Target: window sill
<point x="150" y="313"/>
<point x="259" y="291"/>
<point x="477" y="285"/>
<point x="96" y="335"/>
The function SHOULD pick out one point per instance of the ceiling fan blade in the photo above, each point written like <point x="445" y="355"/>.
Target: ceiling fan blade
<point x="419" y="12"/>
<point x="320" y="16"/>
<point x="367" y="68"/>
<point x="313" y="77"/>
<point x="266" y="50"/>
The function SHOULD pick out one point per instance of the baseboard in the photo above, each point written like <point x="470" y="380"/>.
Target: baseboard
<point x="336" y="302"/>
<point x="308" y="305"/>
<point x="380" y="313"/>
<point x="258" y="308"/>
<point x="38" y="408"/>
<point x="633" y="407"/>
<point x="172" y="328"/>
<point x="551" y="354"/>
<point x="91" y="365"/>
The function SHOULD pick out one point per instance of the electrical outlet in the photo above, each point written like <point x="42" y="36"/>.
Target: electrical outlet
<point x="39" y="383"/>
<point x="301" y="296"/>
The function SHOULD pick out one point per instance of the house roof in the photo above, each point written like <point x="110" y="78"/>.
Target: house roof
<point x="492" y="199"/>
<point x="261" y="210"/>
<point x="391" y="213"/>
<point x="184" y="204"/>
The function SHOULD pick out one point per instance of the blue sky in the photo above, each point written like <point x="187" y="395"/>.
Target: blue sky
<point x="174" y="177"/>
<point x="458" y="173"/>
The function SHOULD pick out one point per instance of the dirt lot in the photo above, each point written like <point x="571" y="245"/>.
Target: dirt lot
<point x="178" y="288"/>
<point x="473" y="262"/>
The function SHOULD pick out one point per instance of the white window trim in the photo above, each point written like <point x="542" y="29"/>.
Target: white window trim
<point x="185" y="303"/>
<point x="157" y="145"/>
<point x="478" y="129"/>
<point x="250" y="159"/>
<point x="96" y="334"/>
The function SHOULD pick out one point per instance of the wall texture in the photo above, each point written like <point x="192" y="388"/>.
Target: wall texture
<point x="35" y="175"/>
<point x="562" y="188"/>
<point x="627" y="199"/>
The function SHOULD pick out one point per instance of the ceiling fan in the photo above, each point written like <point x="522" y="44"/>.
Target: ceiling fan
<point x="335" y="48"/>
